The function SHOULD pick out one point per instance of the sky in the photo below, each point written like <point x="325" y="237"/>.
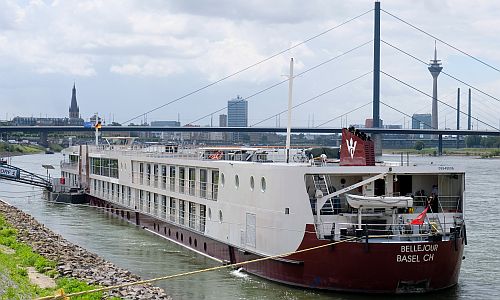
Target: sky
<point x="129" y="57"/>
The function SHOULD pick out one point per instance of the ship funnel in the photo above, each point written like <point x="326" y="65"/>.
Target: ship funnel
<point x="357" y="148"/>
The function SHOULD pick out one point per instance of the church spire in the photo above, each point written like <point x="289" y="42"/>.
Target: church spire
<point x="74" y="111"/>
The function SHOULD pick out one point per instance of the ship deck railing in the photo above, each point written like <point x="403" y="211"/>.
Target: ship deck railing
<point x="263" y="155"/>
<point x="69" y="165"/>
<point x="391" y="232"/>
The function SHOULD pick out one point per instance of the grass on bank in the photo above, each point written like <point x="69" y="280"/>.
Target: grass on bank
<point x="20" y="149"/>
<point x="14" y="281"/>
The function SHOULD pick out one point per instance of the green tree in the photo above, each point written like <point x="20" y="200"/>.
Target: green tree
<point x="419" y="145"/>
<point x="472" y="141"/>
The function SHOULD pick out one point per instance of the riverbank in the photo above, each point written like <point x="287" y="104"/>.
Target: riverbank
<point x="8" y="150"/>
<point x="71" y="265"/>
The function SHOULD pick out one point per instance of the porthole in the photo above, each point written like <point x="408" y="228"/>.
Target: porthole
<point x="209" y="213"/>
<point x="220" y="216"/>
<point x="263" y="184"/>
<point x="222" y="179"/>
<point x="252" y="183"/>
<point x="236" y="181"/>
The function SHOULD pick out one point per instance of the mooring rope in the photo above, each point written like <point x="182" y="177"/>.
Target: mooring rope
<point x="62" y="296"/>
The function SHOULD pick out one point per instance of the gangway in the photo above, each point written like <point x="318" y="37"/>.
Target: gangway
<point x="12" y="173"/>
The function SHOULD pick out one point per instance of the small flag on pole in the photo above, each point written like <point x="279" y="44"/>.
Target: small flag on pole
<point x="419" y="220"/>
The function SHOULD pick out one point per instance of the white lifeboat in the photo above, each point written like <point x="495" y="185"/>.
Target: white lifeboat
<point x="357" y="201"/>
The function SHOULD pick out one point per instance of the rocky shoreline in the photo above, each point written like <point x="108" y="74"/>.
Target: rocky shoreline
<point x="74" y="261"/>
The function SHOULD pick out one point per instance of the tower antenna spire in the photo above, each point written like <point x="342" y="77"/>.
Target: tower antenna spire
<point x="435" y="68"/>
<point x="435" y="51"/>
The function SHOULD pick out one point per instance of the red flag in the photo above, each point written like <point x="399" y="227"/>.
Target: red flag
<point x="419" y="220"/>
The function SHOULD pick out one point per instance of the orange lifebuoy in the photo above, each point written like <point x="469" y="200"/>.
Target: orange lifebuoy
<point x="217" y="155"/>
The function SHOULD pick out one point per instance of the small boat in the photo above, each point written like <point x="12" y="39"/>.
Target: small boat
<point x="357" y="201"/>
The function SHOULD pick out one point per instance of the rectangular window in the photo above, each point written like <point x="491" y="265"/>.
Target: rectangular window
<point x="155" y="174"/>
<point x="192" y="181"/>
<point x="215" y="184"/>
<point x="181" y="179"/>
<point x="192" y="215"/>
<point x="163" y="206"/>
<point x="155" y="204"/>
<point x="163" y="177"/>
<point x="148" y="174"/>
<point x="141" y="200"/>
<point x="148" y="202"/>
<point x="172" y="178"/>
<point x="173" y="209"/>
<point x="133" y="172"/>
<point x="203" y="210"/>
<point x="182" y="209"/>
<point x="141" y="173"/>
<point x="129" y="194"/>
<point x="203" y="183"/>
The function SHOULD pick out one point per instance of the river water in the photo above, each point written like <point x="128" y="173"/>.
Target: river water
<point x="151" y="256"/>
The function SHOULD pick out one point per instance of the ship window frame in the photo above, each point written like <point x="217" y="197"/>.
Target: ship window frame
<point x="236" y="181"/>
<point x="220" y="216"/>
<point x="263" y="184"/>
<point x="252" y="183"/>
<point x="222" y="179"/>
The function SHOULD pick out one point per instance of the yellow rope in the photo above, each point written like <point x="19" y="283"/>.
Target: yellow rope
<point x="62" y="296"/>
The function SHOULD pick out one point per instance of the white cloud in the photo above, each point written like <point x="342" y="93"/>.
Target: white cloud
<point x="203" y="41"/>
<point x="147" y="67"/>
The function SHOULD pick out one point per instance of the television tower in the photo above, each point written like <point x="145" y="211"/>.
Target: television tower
<point x="435" y="68"/>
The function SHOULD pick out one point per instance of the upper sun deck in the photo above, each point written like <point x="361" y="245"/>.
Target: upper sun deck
<point x="311" y="157"/>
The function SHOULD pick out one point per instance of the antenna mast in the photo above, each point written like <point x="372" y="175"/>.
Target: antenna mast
<point x="289" y="125"/>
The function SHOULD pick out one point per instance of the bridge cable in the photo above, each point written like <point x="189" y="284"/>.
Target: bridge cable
<point x="424" y="93"/>
<point x="315" y="97"/>
<point x="282" y="82"/>
<point x="447" y="74"/>
<point x="430" y="127"/>
<point x="442" y="41"/>
<point x="346" y="113"/>
<point x="446" y="96"/>
<point x="250" y="66"/>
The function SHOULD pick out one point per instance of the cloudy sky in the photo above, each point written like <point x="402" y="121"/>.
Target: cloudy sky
<point x="129" y="57"/>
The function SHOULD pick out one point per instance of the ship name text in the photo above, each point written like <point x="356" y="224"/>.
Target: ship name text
<point x="410" y="253"/>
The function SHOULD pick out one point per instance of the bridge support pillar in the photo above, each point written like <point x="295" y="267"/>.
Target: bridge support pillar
<point x="440" y="145"/>
<point x="44" y="141"/>
<point x="377" y="141"/>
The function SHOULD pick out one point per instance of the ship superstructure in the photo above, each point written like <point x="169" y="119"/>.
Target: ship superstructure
<point x="402" y="225"/>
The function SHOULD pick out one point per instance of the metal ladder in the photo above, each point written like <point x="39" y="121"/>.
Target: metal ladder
<point x="320" y="183"/>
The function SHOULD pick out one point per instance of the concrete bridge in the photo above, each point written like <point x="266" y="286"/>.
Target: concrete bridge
<point x="44" y="130"/>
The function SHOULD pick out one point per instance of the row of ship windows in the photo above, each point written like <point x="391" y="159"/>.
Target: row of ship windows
<point x="176" y="210"/>
<point x="263" y="184"/>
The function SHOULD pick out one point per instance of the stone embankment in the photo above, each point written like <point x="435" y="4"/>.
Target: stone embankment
<point x="74" y="261"/>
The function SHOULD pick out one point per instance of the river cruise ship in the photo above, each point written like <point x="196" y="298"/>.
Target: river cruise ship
<point x="363" y="226"/>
